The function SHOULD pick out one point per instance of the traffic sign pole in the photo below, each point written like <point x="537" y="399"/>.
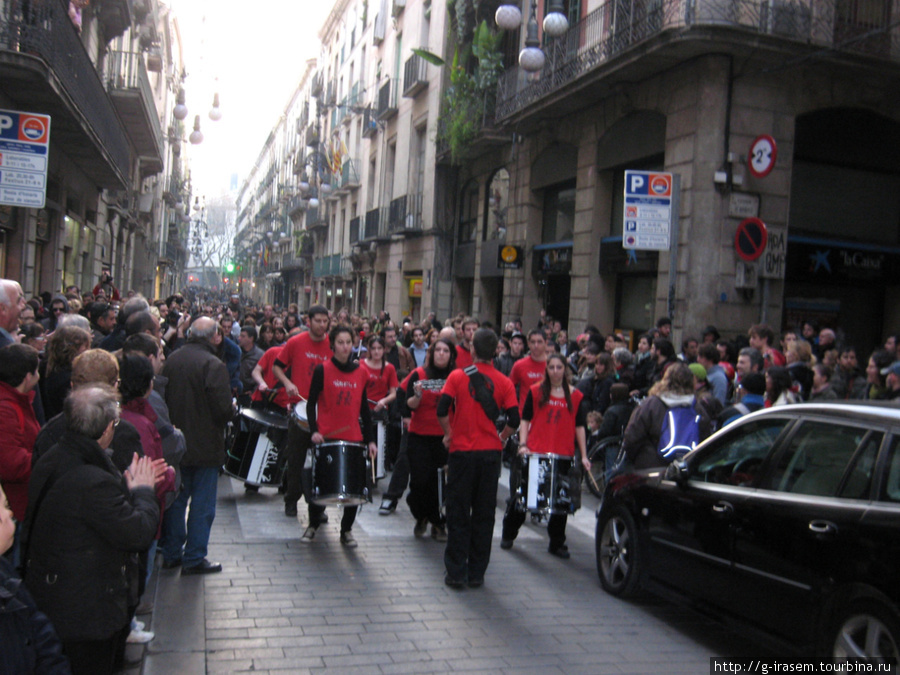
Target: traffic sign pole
<point x="673" y="245"/>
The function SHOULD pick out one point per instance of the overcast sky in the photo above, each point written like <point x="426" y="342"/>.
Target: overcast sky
<point x="253" y="54"/>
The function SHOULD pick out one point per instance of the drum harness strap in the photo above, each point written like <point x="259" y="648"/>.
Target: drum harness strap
<point x="483" y="396"/>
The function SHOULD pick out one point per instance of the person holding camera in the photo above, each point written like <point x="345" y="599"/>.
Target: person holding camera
<point x="106" y="285"/>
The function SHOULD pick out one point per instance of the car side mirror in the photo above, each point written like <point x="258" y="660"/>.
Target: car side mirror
<point x="678" y="471"/>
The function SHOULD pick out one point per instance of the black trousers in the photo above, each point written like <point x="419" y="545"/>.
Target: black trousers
<point x="515" y="518"/>
<point x="471" y="504"/>
<point x="426" y="455"/>
<point x="299" y="480"/>
<point x="95" y="657"/>
<point x="400" y="472"/>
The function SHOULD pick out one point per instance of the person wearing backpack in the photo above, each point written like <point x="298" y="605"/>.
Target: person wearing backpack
<point x="644" y="444"/>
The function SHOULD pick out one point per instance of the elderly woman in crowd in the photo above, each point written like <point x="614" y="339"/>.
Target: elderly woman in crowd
<point x="86" y="524"/>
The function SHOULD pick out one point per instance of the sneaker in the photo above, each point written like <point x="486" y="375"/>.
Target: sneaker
<point x="421" y="527"/>
<point x="348" y="540"/>
<point x="388" y="506"/>
<point x="506" y="544"/>
<point x="438" y="533"/>
<point x="290" y="510"/>
<point x="476" y="583"/>
<point x="140" y="637"/>
<point x="308" y="535"/>
<point x="137" y="625"/>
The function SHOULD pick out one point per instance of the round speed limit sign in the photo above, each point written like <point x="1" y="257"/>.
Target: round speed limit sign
<point x="763" y="152"/>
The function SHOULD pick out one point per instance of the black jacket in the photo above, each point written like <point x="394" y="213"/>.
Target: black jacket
<point x="83" y="531"/>
<point x="30" y="645"/>
<point x="199" y="398"/>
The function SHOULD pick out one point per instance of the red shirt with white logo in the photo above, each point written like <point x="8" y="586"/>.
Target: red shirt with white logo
<point x="552" y="428"/>
<point x="338" y="404"/>
<point x="525" y="373"/>
<point x="380" y="381"/>
<point x="302" y="354"/>
<point x="423" y="420"/>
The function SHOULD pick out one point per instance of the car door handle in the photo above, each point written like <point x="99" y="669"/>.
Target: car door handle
<point x="822" y="528"/>
<point x="723" y="509"/>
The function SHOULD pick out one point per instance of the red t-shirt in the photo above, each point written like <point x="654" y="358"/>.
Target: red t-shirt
<point x="463" y="357"/>
<point x="525" y="373"/>
<point x="265" y="363"/>
<point x="337" y="408"/>
<point x="380" y="381"/>
<point x="472" y="430"/>
<point x="302" y="354"/>
<point x="552" y="428"/>
<point x="423" y="420"/>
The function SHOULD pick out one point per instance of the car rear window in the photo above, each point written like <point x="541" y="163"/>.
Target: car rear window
<point x="827" y="459"/>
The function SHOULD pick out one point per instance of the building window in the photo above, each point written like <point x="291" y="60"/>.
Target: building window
<point x="559" y="213"/>
<point x="468" y="213"/>
<point x="496" y="206"/>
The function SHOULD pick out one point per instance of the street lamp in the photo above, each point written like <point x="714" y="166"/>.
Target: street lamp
<point x="532" y="57"/>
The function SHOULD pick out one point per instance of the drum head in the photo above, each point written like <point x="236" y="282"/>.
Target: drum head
<point x="267" y="418"/>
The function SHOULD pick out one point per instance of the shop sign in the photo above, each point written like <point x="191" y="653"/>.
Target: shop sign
<point x="415" y="287"/>
<point x="509" y="257"/>
<point x="824" y="261"/>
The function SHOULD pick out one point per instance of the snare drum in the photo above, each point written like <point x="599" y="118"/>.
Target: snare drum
<point x="544" y="486"/>
<point x="339" y="474"/>
<point x="258" y="438"/>
<point x="299" y="414"/>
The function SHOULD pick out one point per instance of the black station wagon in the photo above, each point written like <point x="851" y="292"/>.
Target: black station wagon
<point x="787" y="521"/>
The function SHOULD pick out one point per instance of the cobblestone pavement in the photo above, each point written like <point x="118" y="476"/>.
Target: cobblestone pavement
<point x="282" y="606"/>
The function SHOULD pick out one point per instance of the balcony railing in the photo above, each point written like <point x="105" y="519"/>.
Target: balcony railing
<point x="316" y="217"/>
<point x="405" y="215"/>
<point x="415" y="76"/>
<point x="48" y="34"/>
<point x="616" y="26"/>
<point x="349" y="178"/>
<point x="387" y="100"/>
<point x="377" y="224"/>
<point x="370" y="123"/>
<point x="129" y="87"/>
<point x="331" y="266"/>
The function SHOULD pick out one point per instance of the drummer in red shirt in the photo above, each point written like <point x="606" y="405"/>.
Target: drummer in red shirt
<point x="474" y="461"/>
<point x="383" y="381"/>
<point x="529" y="370"/>
<point x="421" y="390"/>
<point x="337" y="402"/>
<point x="301" y="354"/>
<point x="268" y="393"/>
<point x="554" y="417"/>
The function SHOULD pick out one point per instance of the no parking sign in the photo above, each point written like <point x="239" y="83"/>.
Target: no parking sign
<point x="750" y="239"/>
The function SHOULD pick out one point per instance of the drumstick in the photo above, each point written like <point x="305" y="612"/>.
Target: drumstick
<point x="593" y="482"/>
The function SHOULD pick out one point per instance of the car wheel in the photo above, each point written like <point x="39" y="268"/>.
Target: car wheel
<point x="619" y="561"/>
<point x="865" y="629"/>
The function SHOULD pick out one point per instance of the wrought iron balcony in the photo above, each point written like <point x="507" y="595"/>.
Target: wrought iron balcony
<point x="616" y="27"/>
<point x="348" y="179"/>
<point x="370" y="123"/>
<point x="317" y="217"/>
<point x="331" y="266"/>
<point x="415" y="76"/>
<point x="43" y="60"/>
<point x="129" y="88"/>
<point x="377" y="225"/>
<point x="405" y="215"/>
<point x="114" y="16"/>
<point x="387" y="100"/>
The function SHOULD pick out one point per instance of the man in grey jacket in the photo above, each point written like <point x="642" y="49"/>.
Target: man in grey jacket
<point x="199" y="399"/>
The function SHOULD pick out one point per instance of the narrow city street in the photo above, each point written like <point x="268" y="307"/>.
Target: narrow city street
<point x="284" y="606"/>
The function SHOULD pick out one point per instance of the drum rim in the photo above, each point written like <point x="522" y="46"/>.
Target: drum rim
<point x="341" y="499"/>
<point x="254" y="416"/>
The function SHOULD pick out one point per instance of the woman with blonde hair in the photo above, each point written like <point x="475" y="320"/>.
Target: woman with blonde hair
<point x="800" y="361"/>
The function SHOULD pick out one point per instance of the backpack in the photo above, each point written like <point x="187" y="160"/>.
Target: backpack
<point x="680" y="432"/>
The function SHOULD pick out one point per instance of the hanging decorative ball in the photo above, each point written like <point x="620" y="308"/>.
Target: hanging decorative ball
<point x="555" y="24"/>
<point x="531" y="59"/>
<point x="508" y="17"/>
